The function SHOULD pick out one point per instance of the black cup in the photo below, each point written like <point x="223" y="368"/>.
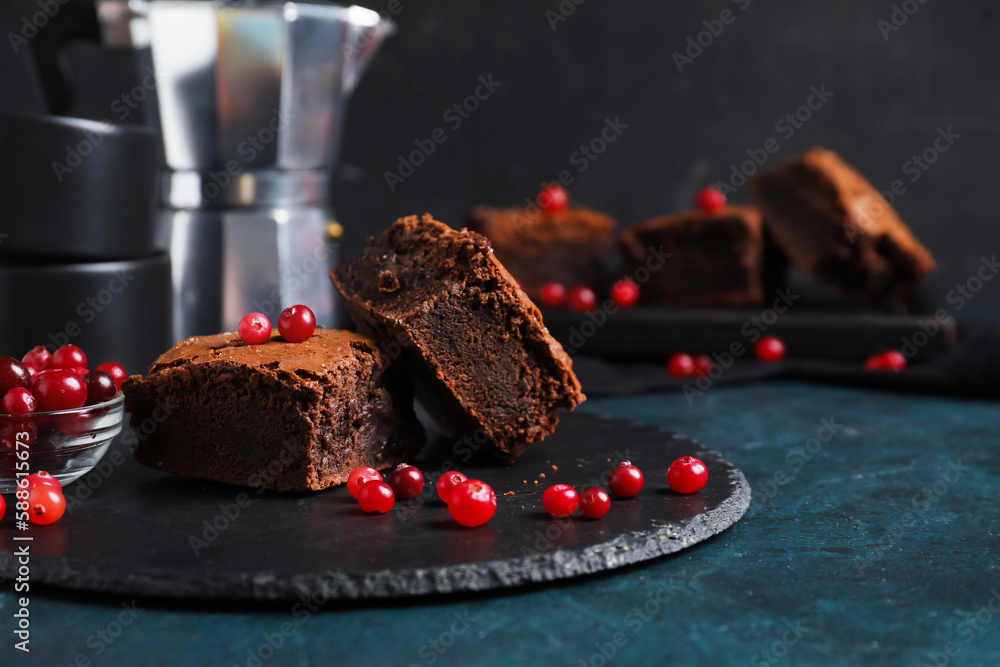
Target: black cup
<point x="74" y="189"/>
<point x="116" y="311"/>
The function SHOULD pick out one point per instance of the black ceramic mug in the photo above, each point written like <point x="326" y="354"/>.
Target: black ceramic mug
<point x="76" y="189"/>
<point x="116" y="311"/>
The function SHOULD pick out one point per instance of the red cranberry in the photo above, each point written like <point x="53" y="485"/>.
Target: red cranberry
<point x="552" y="295"/>
<point x="447" y="482"/>
<point x="117" y="372"/>
<point x="687" y="475"/>
<point x="40" y="357"/>
<point x="894" y="360"/>
<point x="560" y="500"/>
<point x="680" y="365"/>
<point x="69" y="356"/>
<point x="594" y="502"/>
<point x="625" y="293"/>
<point x="473" y="503"/>
<point x="59" y="390"/>
<point x="34" y="378"/>
<point x="406" y="481"/>
<point x="32" y="369"/>
<point x="100" y="387"/>
<point x="13" y="374"/>
<point x="890" y="360"/>
<point x="769" y="349"/>
<point x="376" y="497"/>
<point x="296" y="323"/>
<point x="80" y="371"/>
<point x="255" y="329"/>
<point x="702" y="365"/>
<point x="710" y="199"/>
<point x="581" y="299"/>
<point x="46" y="504"/>
<point x="43" y="478"/>
<point x="18" y="401"/>
<point x="359" y="477"/>
<point x="553" y="199"/>
<point x="625" y="480"/>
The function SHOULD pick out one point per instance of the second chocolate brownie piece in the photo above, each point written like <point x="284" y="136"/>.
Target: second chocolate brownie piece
<point x="484" y="363"/>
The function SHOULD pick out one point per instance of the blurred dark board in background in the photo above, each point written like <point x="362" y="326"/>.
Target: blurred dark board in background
<point x="562" y="73"/>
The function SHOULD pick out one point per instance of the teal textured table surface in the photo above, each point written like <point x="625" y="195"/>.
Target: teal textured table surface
<point x="872" y="538"/>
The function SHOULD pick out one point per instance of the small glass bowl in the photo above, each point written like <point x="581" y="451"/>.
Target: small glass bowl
<point x="66" y="443"/>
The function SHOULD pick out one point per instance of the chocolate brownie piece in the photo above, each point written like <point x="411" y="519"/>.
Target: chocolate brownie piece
<point x="570" y="247"/>
<point x="484" y="362"/>
<point x="833" y="224"/>
<point x="697" y="258"/>
<point x="283" y="416"/>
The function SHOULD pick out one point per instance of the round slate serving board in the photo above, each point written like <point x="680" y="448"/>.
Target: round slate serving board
<point x="141" y="532"/>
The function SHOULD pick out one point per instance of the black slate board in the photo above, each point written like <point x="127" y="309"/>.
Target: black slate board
<point x="134" y="534"/>
<point x="817" y="331"/>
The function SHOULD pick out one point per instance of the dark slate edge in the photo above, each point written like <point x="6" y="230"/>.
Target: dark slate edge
<point x="625" y="549"/>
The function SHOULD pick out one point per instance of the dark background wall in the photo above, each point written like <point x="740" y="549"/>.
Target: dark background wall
<point x="894" y="86"/>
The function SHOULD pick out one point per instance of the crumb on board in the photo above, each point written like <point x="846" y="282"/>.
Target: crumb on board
<point x="542" y="475"/>
<point x="524" y="481"/>
<point x="509" y="493"/>
<point x="554" y="467"/>
<point x="536" y="481"/>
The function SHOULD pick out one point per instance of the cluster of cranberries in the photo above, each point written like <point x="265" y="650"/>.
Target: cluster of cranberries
<point x="470" y="501"/>
<point x="42" y="498"/>
<point x="685" y="475"/>
<point x="46" y="382"/>
<point x="296" y="325"/>
<point x="583" y="299"/>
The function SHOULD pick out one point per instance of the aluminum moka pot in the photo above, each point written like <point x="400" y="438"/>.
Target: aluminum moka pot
<point x="251" y="98"/>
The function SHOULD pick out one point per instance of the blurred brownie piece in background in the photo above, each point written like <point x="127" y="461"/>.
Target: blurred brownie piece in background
<point x="833" y="224"/>
<point x="571" y="247"/>
<point x="697" y="258"/>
